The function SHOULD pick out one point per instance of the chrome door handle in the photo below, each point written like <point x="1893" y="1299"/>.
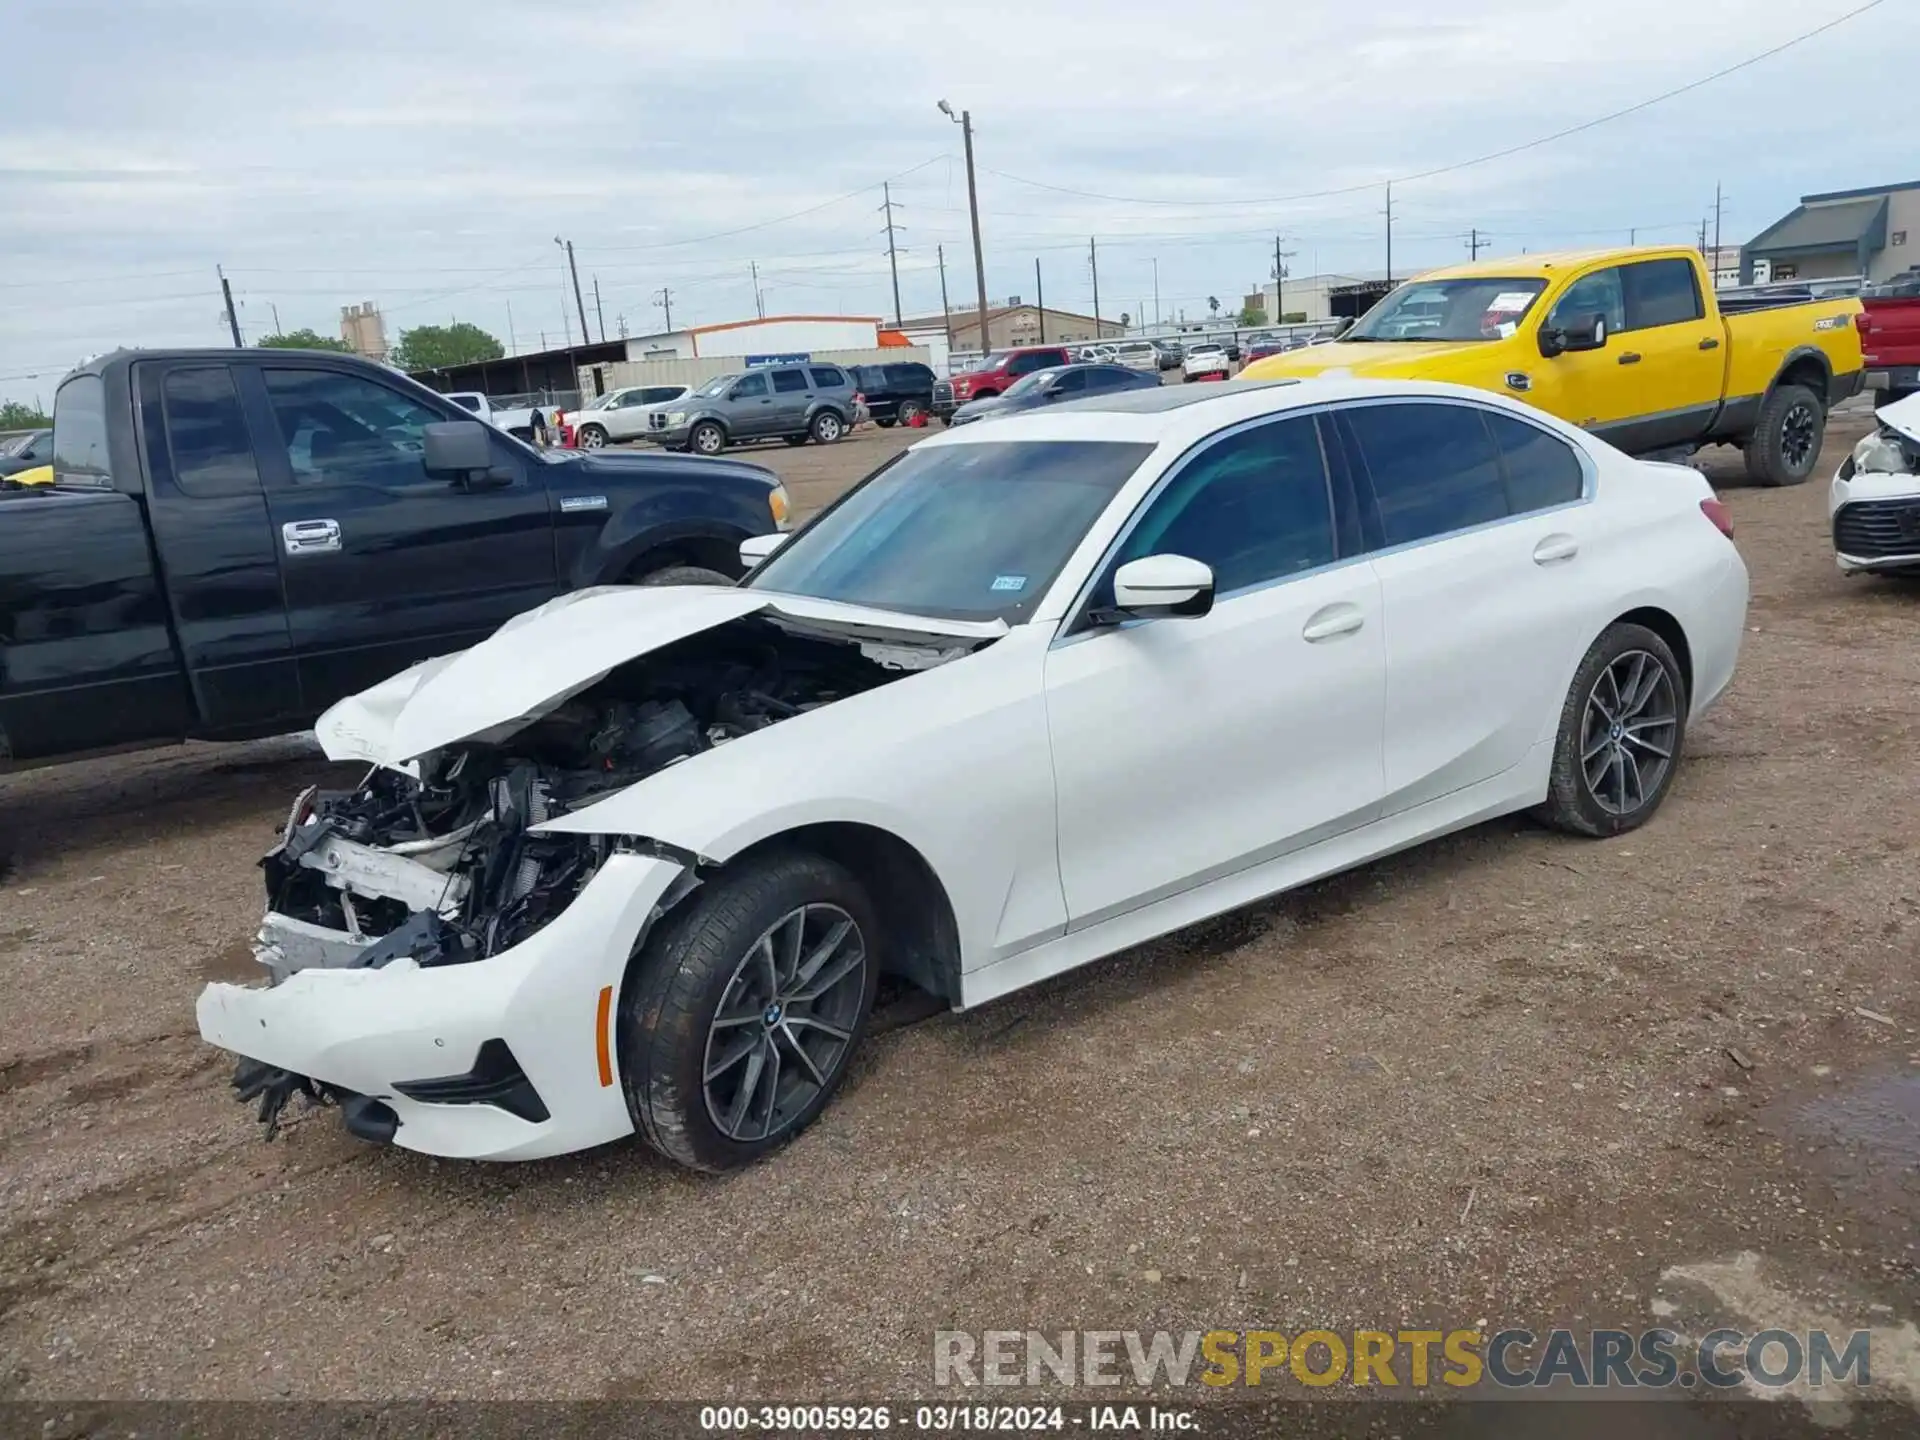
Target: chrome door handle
<point x="1554" y="548"/>
<point x="310" y="537"/>
<point x="1332" y="621"/>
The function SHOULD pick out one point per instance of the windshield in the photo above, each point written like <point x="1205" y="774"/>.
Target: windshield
<point x="716" y="386"/>
<point x="601" y="402"/>
<point x="1480" y="308"/>
<point x="959" y="532"/>
<point x="15" y="444"/>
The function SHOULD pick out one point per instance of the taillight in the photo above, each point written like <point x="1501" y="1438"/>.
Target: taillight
<point x="858" y="398"/>
<point x="1717" y="513"/>
<point x="1862" y="322"/>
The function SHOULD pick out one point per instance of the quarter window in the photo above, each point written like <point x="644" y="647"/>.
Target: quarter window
<point x="1254" y="506"/>
<point x="341" y="428"/>
<point x="786" y="382"/>
<point x="1542" y="469"/>
<point x="825" y="377"/>
<point x="212" y="453"/>
<point x="1433" y="466"/>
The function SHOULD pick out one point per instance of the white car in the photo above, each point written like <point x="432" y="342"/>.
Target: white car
<point x="622" y="414"/>
<point x="1031" y="694"/>
<point x="1137" y="355"/>
<point x="1208" y="360"/>
<point x="1874" y="503"/>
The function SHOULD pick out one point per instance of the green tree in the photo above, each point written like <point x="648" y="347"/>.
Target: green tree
<point x="1213" y="304"/>
<point x="303" y="340"/>
<point x="436" y="347"/>
<point x="1251" y="316"/>
<point x="14" y="415"/>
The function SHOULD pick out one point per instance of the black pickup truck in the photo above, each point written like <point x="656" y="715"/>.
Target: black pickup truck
<point x="235" y="539"/>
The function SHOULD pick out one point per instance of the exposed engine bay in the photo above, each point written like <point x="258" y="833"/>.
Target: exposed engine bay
<point x="442" y="870"/>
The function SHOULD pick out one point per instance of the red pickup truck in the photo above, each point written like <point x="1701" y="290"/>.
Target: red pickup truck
<point x="1889" y="325"/>
<point x="994" y="374"/>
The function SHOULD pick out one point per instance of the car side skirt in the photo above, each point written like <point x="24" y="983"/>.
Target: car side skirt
<point x="1516" y="789"/>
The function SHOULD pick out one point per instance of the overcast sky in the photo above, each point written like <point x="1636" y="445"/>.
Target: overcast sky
<point x="423" y="154"/>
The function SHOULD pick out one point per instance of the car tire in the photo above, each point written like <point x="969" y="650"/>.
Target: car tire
<point x="707" y="438"/>
<point x="696" y="1029"/>
<point x="909" y="411"/>
<point x="593" y="437"/>
<point x="684" y="575"/>
<point x="1627" y="703"/>
<point x="1785" y="444"/>
<point x="827" y="427"/>
<point x="796" y="440"/>
<point x="883" y="424"/>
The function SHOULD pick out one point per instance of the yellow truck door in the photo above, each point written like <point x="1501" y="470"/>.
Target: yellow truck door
<point x="1589" y="388"/>
<point x="1682" y="348"/>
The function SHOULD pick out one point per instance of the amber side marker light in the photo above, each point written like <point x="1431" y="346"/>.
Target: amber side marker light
<point x="602" y="1036"/>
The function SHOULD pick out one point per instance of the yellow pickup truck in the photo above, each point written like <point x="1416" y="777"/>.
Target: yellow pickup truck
<point x="1629" y="344"/>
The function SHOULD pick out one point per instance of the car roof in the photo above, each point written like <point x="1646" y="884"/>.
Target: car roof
<point x="1181" y="415"/>
<point x="1547" y="264"/>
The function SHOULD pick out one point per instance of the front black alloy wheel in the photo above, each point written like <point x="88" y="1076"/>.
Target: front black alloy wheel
<point x="742" y="1012"/>
<point x="1621" y="732"/>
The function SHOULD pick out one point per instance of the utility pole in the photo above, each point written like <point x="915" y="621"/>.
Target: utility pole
<point x="1280" y="258"/>
<point x="1473" y="242"/>
<point x="1713" y="259"/>
<point x="893" y="261"/>
<point x="1633" y="236"/>
<point x="664" y="301"/>
<point x="973" y="212"/>
<point x="579" y="301"/>
<point x="276" y="318"/>
<point x="1703" y="236"/>
<point x="946" y="314"/>
<point x="1093" y="262"/>
<point x="1040" y="295"/>
<point x="620" y="324"/>
<point x="513" y="344"/>
<point x="1156" y="292"/>
<point x="759" y="300"/>
<point x="1389" y="235"/>
<point x="233" y="320"/>
<point x="599" y="315"/>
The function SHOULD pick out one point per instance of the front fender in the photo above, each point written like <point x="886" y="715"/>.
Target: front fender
<point x="955" y="761"/>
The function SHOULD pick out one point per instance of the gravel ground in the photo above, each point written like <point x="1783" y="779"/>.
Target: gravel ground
<point x="1491" y="1081"/>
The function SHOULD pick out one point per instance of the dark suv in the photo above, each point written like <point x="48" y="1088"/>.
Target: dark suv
<point x="794" y="403"/>
<point x="894" y="392"/>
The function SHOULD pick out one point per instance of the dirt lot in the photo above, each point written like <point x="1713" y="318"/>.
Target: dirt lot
<point x="1489" y="1082"/>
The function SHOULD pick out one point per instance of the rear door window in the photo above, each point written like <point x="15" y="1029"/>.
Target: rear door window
<point x="1433" y="466"/>
<point x="80" y="433"/>
<point x="909" y="377"/>
<point x="1661" y="292"/>
<point x="1542" y="469"/>
<point x="207" y="433"/>
<point x="786" y="382"/>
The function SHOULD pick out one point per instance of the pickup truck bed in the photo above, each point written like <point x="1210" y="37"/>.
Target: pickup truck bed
<point x="1890" y="337"/>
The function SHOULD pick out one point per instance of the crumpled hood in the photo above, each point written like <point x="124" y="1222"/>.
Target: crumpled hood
<point x="1364" y="359"/>
<point x="536" y="662"/>
<point x="1902" y="415"/>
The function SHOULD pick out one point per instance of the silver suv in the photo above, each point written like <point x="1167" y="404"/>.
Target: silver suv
<point x="794" y="403"/>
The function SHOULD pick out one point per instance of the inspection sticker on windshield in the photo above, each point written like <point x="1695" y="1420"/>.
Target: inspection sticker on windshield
<point x="582" y="502"/>
<point x="1509" y="300"/>
<point x="1009" y="582"/>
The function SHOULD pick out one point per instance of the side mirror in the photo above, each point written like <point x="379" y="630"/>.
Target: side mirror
<point x="457" y="447"/>
<point x="1570" y="339"/>
<point x="756" y="548"/>
<point x="1163" y="585"/>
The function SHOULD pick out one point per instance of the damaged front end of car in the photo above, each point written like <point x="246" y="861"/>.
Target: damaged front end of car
<point x="1875" y="501"/>
<point x="439" y="864"/>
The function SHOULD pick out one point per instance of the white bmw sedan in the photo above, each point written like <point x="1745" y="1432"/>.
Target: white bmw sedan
<point x="1031" y="693"/>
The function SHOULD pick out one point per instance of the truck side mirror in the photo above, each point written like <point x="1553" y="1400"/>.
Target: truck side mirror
<point x="1568" y="339"/>
<point x="456" y="448"/>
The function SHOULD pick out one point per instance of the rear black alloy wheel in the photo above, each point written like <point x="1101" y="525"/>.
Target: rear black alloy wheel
<point x="742" y="1011"/>
<point x="1785" y="443"/>
<point x="785" y="1022"/>
<point x="1621" y="732"/>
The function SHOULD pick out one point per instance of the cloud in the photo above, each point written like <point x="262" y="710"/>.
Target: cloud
<point x="424" y="155"/>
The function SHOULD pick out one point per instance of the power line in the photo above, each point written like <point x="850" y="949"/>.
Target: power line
<point x="1502" y="154"/>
